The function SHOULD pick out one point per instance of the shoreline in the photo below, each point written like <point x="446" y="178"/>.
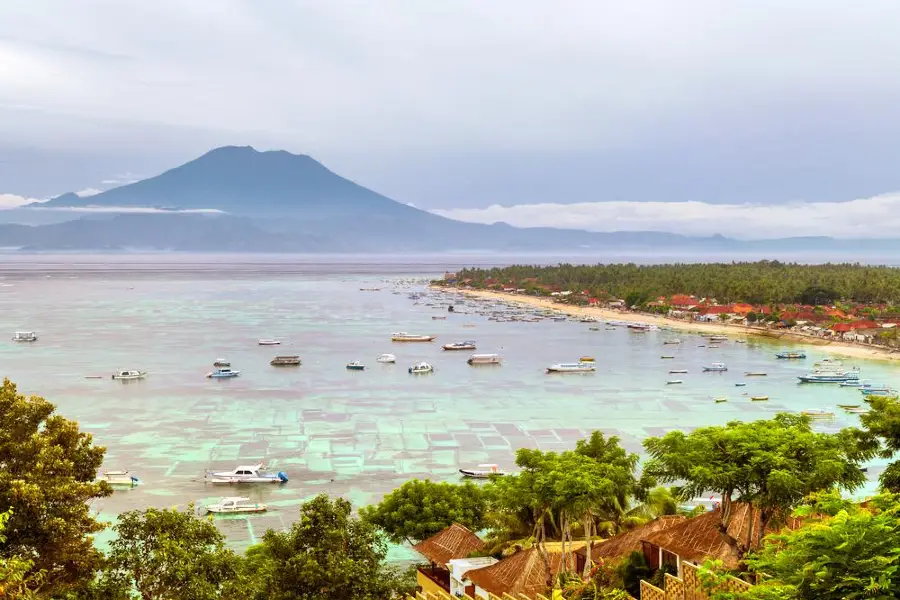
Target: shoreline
<point x="847" y="349"/>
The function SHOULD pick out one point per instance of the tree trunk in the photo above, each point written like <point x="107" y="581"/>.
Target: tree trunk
<point x="588" y="525"/>
<point x="542" y="550"/>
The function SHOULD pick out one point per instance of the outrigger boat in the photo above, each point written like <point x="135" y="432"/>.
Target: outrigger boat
<point x="459" y="346"/>
<point x="677" y="371"/>
<point x="482" y="472"/>
<point x="484" y="359"/>
<point x="791" y="355"/>
<point x="269" y="342"/>
<point x="578" y="367"/>
<point x="285" y="361"/>
<point x="409" y="337"/>
<point x="247" y="474"/>
<point x="129" y="375"/>
<point x="716" y="367"/>
<point x="759" y="398"/>
<point x="233" y="505"/>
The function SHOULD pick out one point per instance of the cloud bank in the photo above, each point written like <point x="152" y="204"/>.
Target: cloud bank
<point x="878" y="216"/>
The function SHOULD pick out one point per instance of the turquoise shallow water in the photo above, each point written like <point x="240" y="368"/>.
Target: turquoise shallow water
<point x="344" y="433"/>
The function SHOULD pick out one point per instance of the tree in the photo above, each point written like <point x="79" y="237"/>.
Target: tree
<point x="169" y="554"/>
<point x="882" y="427"/>
<point x="48" y="477"/>
<point x="772" y="465"/>
<point x="420" y="508"/>
<point x="16" y="578"/>
<point x="752" y="317"/>
<point x="326" y="555"/>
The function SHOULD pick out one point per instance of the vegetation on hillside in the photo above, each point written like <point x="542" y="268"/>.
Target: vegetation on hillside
<point x="763" y="282"/>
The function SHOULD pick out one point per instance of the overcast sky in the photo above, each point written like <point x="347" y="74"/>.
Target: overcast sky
<point x="466" y="104"/>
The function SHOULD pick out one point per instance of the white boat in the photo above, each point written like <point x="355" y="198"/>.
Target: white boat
<point x="129" y="375"/>
<point x="459" y="346"/>
<point x="579" y="367"/>
<point x="484" y="359"/>
<point x="247" y="474"/>
<point x="221" y="362"/>
<point x="355" y="365"/>
<point x="677" y="371"/>
<point x="24" y="336"/>
<point x="119" y="478"/>
<point x="402" y="336"/>
<point x="482" y="471"/>
<point x="420" y="368"/>
<point x="234" y="505"/>
<point x="223" y="373"/>
<point x="386" y="359"/>
<point x="716" y="367"/>
<point x="269" y="342"/>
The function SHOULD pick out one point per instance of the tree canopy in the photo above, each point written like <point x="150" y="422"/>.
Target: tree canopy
<point x="420" y="508"/>
<point x="48" y="477"/>
<point x="882" y="423"/>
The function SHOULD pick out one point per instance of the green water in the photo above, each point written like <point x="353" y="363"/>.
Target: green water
<point x="351" y="434"/>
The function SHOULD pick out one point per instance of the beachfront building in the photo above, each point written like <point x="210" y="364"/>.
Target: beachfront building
<point x="620" y="547"/>
<point x="451" y="543"/>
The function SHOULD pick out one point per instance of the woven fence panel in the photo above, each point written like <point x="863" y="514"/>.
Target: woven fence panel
<point x="674" y="588"/>
<point x="693" y="590"/>
<point x="651" y="592"/>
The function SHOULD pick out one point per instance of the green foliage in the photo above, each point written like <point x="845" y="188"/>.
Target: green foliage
<point x="771" y="464"/>
<point x="882" y="424"/>
<point x="169" y="554"/>
<point x="763" y="282"/>
<point x="16" y="578"/>
<point x="420" y="508"/>
<point x="326" y="555"/>
<point x="47" y="479"/>
<point x="752" y="317"/>
<point x="632" y="570"/>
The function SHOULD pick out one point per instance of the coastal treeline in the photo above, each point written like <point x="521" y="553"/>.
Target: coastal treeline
<point x="762" y="282"/>
<point x="778" y="469"/>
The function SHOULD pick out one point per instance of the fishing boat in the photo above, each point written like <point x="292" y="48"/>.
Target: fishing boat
<point x="223" y="373"/>
<point x="221" y="362"/>
<point x="755" y="374"/>
<point x="233" y="505"/>
<point x="285" y="361"/>
<point x="247" y="474"/>
<point x="386" y="359"/>
<point x="459" y="346"/>
<point x="740" y="384"/>
<point x="817" y="413"/>
<point x="269" y="342"/>
<point x="586" y="359"/>
<point x="848" y="406"/>
<point x="119" y="478"/>
<point x="410" y="337"/>
<point x="875" y="390"/>
<point x="129" y="375"/>
<point x="482" y="471"/>
<point x="790" y="355"/>
<point x="857" y="411"/>
<point x="671" y="342"/>
<point x="24" y="336"/>
<point x="355" y="365"/>
<point x="720" y="399"/>
<point x="716" y="367"/>
<point x="421" y="368"/>
<point x="677" y="371"/>
<point x="759" y="398"/>
<point x="674" y="381"/>
<point x="578" y="367"/>
<point x="484" y="359"/>
<point x="667" y="356"/>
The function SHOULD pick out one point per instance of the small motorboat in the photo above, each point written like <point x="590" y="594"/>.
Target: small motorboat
<point x="119" y="478"/>
<point x="421" y="368"/>
<point x="875" y="390"/>
<point x="586" y="359"/>
<point x="667" y="356"/>
<point x="24" y="336"/>
<point x="677" y="371"/>
<point x="755" y="374"/>
<point x="459" y="346"/>
<point x="285" y="361"/>
<point x="720" y="399"/>
<point x="484" y="359"/>
<point x="221" y="362"/>
<point x="482" y="471"/>
<point x="410" y="337"/>
<point x="716" y="367"/>
<point x="269" y="342"/>
<point x="355" y="365"/>
<point x="674" y="381"/>
<point x="671" y="342"/>
<point x="247" y="474"/>
<point x="578" y="367"/>
<point x="223" y="373"/>
<point x="436" y="318"/>
<point x="386" y="359"/>
<point x="790" y="355"/>
<point x="759" y="398"/>
<point x="740" y="384"/>
<point x="129" y="375"/>
<point x="234" y="505"/>
<point x="848" y="406"/>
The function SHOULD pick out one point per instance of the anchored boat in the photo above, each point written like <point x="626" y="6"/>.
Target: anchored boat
<point x="234" y="505"/>
<point x="223" y="373"/>
<point x="120" y="478"/>
<point x="285" y="361"/>
<point x="355" y="365"/>
<point x="484" y="359"/>
<point x="421" y="368"/>
<point x="482" y="471"/>
<point x="410" y="337"/>
<point x="24" y="336"/>
<point x="716" y="367"/>
<point x="459" y="346"/>
<point x="269" y="342"/>
<point x="790" y="355"/>
<point x="386" y="359"/>
<point x="247" y="474"/>
<point x="129" y="375"/>
<point x="221" y="362"/>
<point x="579" y="367"/>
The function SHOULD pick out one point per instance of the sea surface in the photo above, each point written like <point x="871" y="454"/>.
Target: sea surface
<point x="351" y="434"/>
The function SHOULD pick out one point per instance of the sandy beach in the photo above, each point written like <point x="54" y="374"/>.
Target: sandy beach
<point x="835" y="347"/>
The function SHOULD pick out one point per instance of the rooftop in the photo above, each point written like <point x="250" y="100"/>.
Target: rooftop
<point x="452" y="542"/>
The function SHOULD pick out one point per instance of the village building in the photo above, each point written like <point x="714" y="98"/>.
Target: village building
<point x="451" y="543"/>
<point x="619" y="547"/>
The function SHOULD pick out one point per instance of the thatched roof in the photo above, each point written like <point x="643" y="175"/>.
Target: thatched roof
<point x="455" y="541"/>
<point x="620" y="546"/>
<point x="522" y="573"/>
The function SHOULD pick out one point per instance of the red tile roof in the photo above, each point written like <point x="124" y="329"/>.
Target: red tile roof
<point x="455" y="541"/>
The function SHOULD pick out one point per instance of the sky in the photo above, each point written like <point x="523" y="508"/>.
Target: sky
<point x="610" y="115"/>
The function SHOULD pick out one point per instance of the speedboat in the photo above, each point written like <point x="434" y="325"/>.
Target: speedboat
<point x="247" y="474"/>
<point x="119" y="478"/>
<point x="420" y="368"/>
<point x="235" y="505"/>
<point x="285" y="361"/>
<point x="223" y="373"/>
<point x="579" y="367"/>
<point x="24" y="336"/>
<point x="269" y="342"/>
<point x="790" y="355"/>
<point x="386" y="359"/>
<point x="129" y="375"/>
<point x="484" y="359"/>
<point x="221" y="362"/>
<point x="482" y="471"/>
<point x="355" y="365"/>
<point x="410" y="337"/>
<point x="460" y="346"/>
<point x="716" y="367"/>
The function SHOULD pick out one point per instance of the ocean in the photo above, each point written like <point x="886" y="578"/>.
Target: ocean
<point x="350" y="434"/>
